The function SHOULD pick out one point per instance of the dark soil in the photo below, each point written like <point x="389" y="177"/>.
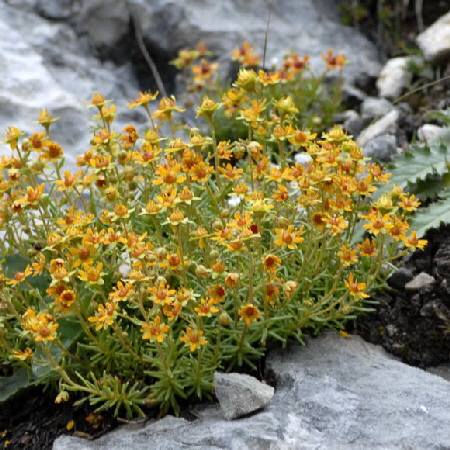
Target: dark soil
<point x="412" y="325"/>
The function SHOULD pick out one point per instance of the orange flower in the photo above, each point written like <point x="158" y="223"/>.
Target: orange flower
<point x="121" y="292"/>
<point x="166" y="107"/>
<point x="271" y="263"/>
<point x="367" y="248"/>
<point x="409" y="203"/>
<point x="232" y="279"/>
<point x="249" y="313"/>
<point x="230" y="172"/>
<point x="65" y="300"/>
<point x="336" y="224"/>
<point x="20" y="276"/>
<point x="334" y="61"/>
<point x="155" y="331"/>
<point x="245" y="55"/>
<point x="378" y="223"/>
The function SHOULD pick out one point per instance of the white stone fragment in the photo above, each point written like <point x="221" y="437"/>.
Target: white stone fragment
<point x="435" y="40"/>
<point x="395" y="76"/>
<point x="420" y="281"/>
<point x="240" y="394"/>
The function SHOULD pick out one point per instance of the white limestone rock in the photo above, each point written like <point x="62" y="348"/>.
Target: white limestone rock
<point x="385" y="125"/>
<point x="435" y="40"/>
<point x="395" y="76"/>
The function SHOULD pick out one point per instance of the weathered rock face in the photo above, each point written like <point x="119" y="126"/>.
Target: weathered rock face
<point x="44" y="65"/>
<point x="332" y="394"/>
<point x="306" y="26"/>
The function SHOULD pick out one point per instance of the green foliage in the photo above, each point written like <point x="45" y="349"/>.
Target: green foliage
<point x="168" y="256"/>
<point x="425" y="172"/>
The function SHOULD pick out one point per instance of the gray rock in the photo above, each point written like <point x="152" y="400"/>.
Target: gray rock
<point x="307" y="27"/>
<point x="381" y="148"/>
<point x="435" y="40"/>
<point x="351" y="121"/>
<point x="395" y="76"/>
<point x="420" y="281"/>
<point x="334" y="393"/>
<point x="375" y="107"/>
<point x="240" y="394"/>
<point x="352" y="97"/>
<point x="354" y="124"/>
<point x="385" y="125"/>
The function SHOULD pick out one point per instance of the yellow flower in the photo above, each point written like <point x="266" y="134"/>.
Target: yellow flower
<point x="154" y="331"/>
<point x="21" y="276"/>
<point x="409" y="203"/>
<point x="13" y="135"/>
<point x="207" y="108"/>
<point x="143" y="99"/>
<point x="347" y="255"/>
<point x="356" y="289"/>
<point x="105" y="316"/>
<point x="288" y="237"/>
<point x="286" y="106"/>
<point x="42" y="325"/>
<point x="161" y="293"/>
<point x="23" y="356"/>
<point x="65" y="300"/>
<point x="413" y="242"/>
<point x="206" y="307"/>
<point x="166" y="107"/>
<point x="91" y="274"/>
<point x="193" y="338"/>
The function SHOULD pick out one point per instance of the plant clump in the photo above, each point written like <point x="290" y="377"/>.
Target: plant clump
<point x="168" y="256"/>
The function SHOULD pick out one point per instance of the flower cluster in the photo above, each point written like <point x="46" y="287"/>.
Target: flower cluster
<point x="316" y="103"/>
<point x="164" y="258"/>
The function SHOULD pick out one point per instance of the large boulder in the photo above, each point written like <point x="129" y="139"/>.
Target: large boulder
<point x="45" y="66"/>
<point x="334" y="393"/>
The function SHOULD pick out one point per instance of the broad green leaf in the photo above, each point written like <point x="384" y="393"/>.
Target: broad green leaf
<point x="416" y="165"/>
<point x="11" y="385"/>
<point x="432" y="216"/>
